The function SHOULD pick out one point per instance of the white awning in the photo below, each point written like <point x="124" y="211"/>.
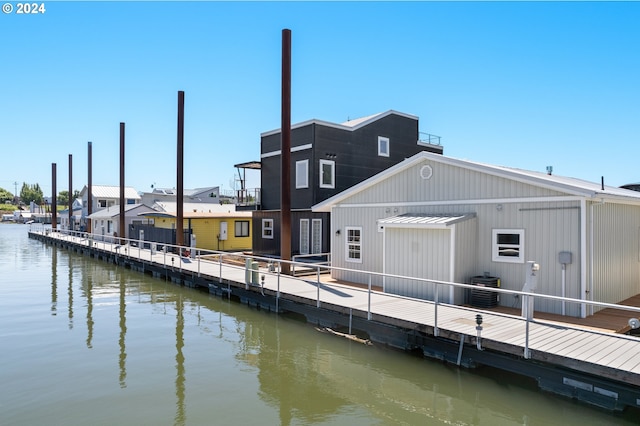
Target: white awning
<point x="430" y="221"/>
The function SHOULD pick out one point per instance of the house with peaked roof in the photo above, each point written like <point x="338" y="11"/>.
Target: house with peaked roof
<point x="212" y="230"/>
<point x="104" y="196"/>
<point x="76" y="217"/>
<point x="106" y="222"/>
<point x="208" y="195"/>
<point x="447" y="219"/>
<point x="326" y="159"/>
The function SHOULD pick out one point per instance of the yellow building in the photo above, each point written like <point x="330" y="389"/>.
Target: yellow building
<point x="223" y="231"/>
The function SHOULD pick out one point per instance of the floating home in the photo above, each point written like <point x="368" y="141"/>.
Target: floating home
<point x="326" y="159"/>
<point x="447" y="219"/>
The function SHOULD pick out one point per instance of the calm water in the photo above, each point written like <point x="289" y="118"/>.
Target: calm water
<point x="83" y="342"/>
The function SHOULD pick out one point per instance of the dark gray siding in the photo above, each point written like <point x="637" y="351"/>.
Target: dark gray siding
<point x="271" y="169"/>
<point x="271" y="247"/>
<point x="355" y="153"/>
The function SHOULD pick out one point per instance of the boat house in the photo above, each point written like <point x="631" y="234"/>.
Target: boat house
<point x="447" y="219"/>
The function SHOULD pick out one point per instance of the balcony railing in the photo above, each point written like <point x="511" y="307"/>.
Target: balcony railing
<point x="428" y="138"/>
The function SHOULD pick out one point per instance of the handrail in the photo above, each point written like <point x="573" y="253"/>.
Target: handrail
<point x="424" y="137"/>
<point x="200" y="253"/>
<point x="370" y="273"/>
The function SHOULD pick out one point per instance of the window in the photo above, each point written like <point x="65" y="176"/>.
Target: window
<point x="109" y="227"/>
<point x="131" y="201"/>
<point x="353" y="245"/>
<point x="508" y="245"/>
<point x="302" y="174"/>
<point x="327" y="174"/>
<point x="383" y="146"/>
<point x="316" y="236"/>
<point x="267" y="228"/>
<point x="242" y="228"/>
<point x="102" y="203"/>
<point x="304" y="236"/>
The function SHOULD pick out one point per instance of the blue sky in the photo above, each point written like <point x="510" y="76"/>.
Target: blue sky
<point x="520" y="84"/>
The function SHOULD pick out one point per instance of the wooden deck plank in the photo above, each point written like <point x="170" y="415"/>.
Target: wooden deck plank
<point x="632" y="364"/>
<point x="612" y="353"/>
<point x="614" y="358"/>
<point x="554" y="341"/>
<point x="590" y="352"/>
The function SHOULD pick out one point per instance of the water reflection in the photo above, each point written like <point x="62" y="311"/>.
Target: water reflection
<point x="70" y="292"/>
<point x="54" y="281"/>
<point x="89" y="296"/>
<point x="180" y="376"/>
<point x="122" y="358"/>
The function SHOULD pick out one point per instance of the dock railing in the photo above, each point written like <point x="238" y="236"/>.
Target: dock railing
<point x="255" y="266"/>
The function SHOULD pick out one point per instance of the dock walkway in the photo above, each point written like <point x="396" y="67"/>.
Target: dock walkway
<point x="595" y="366"/>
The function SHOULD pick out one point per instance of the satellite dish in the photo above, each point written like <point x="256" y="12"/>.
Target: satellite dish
<point x="634" y="323"/>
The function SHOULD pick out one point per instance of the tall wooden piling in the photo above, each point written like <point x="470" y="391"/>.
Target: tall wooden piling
<point x="180" y="172"/>
<point x="285" y="132"/>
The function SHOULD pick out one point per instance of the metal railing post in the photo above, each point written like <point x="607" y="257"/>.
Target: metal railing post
<point x="527" y="354"/>
<point x="369" y="301"/>
<point x="436" y="330"/>
<point x="220" y="262"/>
<point x="278" y="290"/>
<point x="318" y="282"/>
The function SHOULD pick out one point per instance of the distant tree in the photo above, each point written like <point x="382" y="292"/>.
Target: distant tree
<point x="30" y="193"/>
<point x="5" y="196"/>
<point x="63" y="197"/>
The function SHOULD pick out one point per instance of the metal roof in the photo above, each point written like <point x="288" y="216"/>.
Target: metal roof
<point x="420" y="220"/>
<point x="568" y="185"/>
<point x="105" y="191"/>
<point x="347" y="125"/>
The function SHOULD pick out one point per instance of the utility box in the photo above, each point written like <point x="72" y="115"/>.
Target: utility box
<point x="251" y="272"/>
<point x="223" y="231"/>
<point x="565" y="257"/>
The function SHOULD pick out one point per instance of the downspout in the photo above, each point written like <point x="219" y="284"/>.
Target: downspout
<point x="384" y="256"/>
<point x="589" y="290"/>
<point x="583" y="255"/>
<point x="452" y="265"/>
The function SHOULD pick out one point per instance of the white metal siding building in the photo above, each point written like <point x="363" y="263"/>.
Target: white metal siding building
<point x="446" y="219"/>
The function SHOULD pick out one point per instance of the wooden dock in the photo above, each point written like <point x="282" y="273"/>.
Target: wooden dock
<point x="579" y="358"/>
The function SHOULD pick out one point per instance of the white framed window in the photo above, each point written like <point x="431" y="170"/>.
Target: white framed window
<point x="508" y="245"/>
<point x="302" y="174"/>
<point x="102" y="203"/>
<point x="383" y="146"/>
<point x="267" y="228"/>
<point x="304" y="236"/>
<point x="316" y="236"/>
<point x="241" y="228"/>
<point x="327" y="174"/>
<point x="353" y="249"/>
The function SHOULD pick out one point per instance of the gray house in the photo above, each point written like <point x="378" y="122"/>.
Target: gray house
<point x="447" y="219"/>
<point x="106" y="222"/>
